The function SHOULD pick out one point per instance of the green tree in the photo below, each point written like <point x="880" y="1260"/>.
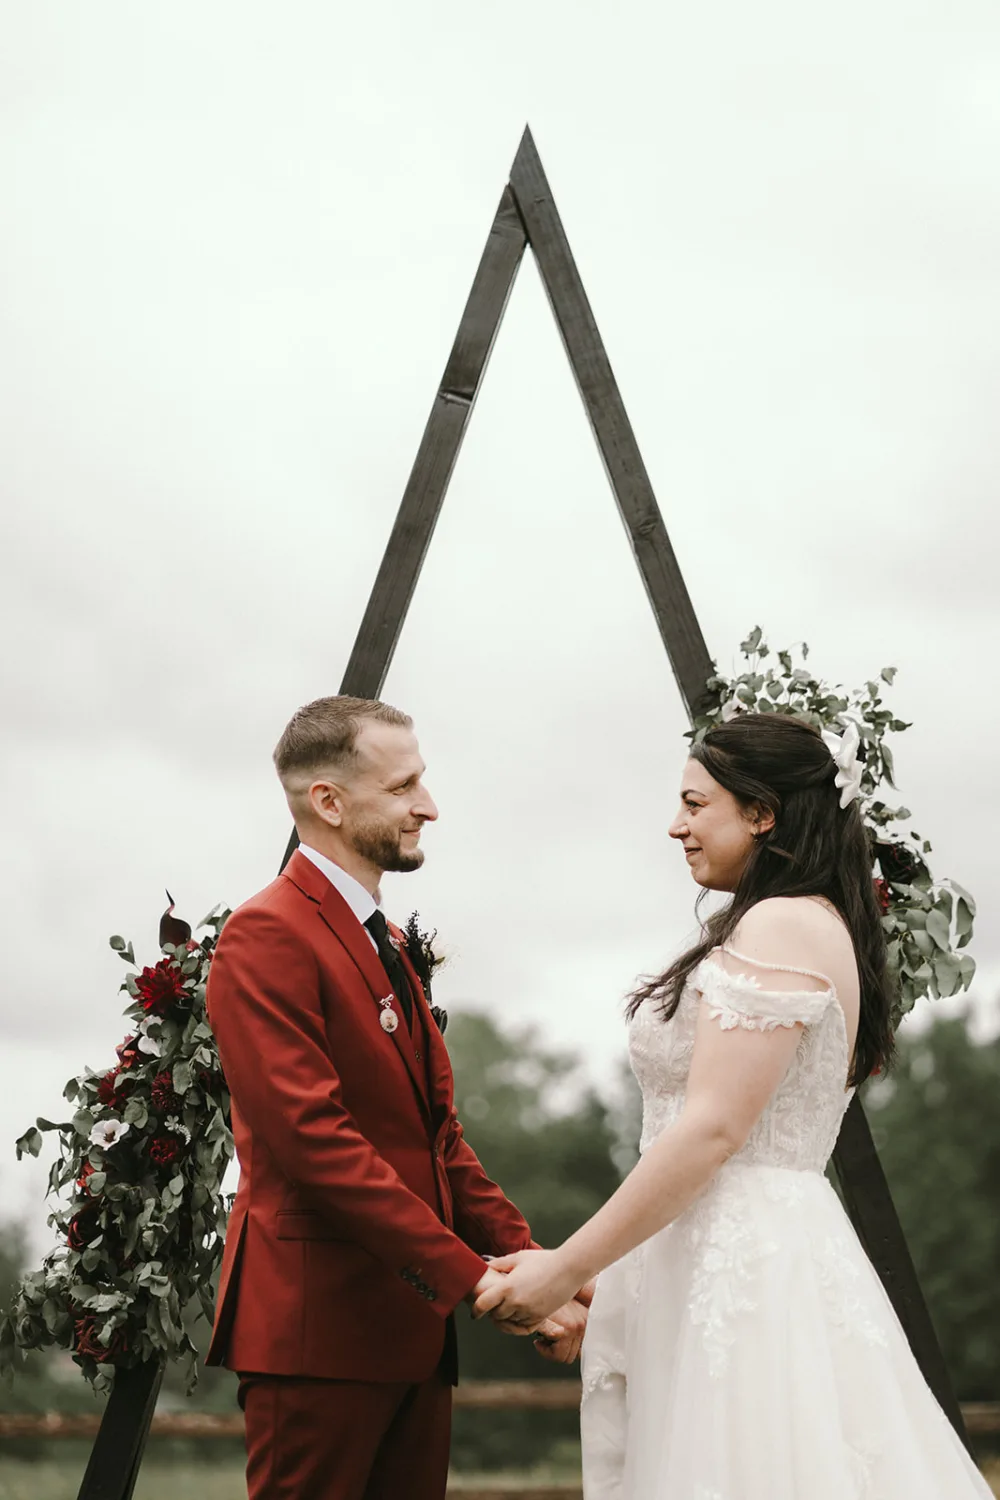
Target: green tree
<point x="936" y="1122"/>
<point x="544" y="1135"/>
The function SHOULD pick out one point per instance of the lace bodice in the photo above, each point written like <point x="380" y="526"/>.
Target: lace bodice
<point x="799" y="1127"/>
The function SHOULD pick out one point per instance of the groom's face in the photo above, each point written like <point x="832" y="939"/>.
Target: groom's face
<point x="384" y="802"/>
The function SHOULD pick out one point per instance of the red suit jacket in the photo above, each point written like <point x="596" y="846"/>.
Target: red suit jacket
<point x="362" y="1214"/>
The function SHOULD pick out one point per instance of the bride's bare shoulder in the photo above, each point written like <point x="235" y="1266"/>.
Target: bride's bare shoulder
<point x="794" y="930"/>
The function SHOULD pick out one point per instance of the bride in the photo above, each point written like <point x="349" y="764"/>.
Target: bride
<point x="740" y="1345"/>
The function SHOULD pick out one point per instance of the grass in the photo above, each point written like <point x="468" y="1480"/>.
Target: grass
<point x="59" y="1479"/>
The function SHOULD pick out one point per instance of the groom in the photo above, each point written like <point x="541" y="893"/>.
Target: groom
<point x="362" y="1217"/>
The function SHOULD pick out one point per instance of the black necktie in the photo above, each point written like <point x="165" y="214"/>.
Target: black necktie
<point x="391" y="963"/>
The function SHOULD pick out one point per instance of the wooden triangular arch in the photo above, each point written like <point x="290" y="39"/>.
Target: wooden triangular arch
<point x="527" y="216"/>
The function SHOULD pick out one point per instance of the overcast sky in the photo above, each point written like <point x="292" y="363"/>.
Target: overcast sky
<point x="235" y="242"/>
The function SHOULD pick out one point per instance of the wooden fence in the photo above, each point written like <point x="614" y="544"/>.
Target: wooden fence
<point x="981" y="1418"/>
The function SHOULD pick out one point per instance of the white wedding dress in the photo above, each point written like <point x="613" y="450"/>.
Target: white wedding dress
<point x="748" y="1351"/>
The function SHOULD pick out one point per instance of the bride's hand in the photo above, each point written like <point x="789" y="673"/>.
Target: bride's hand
<point x="552" y="1332"/>
<point x="535" y="1284"/>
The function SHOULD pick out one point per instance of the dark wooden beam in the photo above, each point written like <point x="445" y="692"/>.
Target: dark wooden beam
<point x="427" y="486"/>
<point x="630" y="484"/>
<point x="118" y="1448"/>
<point x="869" y="1203"/>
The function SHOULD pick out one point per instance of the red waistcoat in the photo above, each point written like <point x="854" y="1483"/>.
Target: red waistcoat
<point x="362" y="1214"/>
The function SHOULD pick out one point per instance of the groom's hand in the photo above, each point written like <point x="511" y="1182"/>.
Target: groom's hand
<point x="572" y="1317"/>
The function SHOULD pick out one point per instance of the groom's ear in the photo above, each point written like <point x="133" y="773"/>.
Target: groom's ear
<point x="326" y="802"/>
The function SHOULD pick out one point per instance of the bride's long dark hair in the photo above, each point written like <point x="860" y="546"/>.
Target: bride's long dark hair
<point x="815" y="848"/>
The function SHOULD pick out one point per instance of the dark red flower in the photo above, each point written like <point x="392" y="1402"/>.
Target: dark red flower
<point x="160" y="988"/>
<point x="128" y="1052"/>
<point x="898" y="862"/>
<point x="87" y="1343"/>
<point x="83" y="1227"/>
<point x="106" y="1091"/>
<point x="84" y="1177"/>
<point x="165" y="1100"/>
<point x="883" y="895"/>
<point x="164" y="1149"/>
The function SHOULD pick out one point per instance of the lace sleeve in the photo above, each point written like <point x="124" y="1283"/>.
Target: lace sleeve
<point x="736" y="998"/>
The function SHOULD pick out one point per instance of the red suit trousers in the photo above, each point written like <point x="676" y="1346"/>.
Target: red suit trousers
<point x="346" y="1440"/>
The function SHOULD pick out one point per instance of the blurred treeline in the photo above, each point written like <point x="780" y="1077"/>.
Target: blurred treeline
<point x="559" y="1149"/>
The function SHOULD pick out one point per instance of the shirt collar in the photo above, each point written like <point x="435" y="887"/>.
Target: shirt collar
<point x="361" y="902"/>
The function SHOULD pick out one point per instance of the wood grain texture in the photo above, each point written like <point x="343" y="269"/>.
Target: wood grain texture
<point x="115" y="1458"/>
<point x="665" y="588"/>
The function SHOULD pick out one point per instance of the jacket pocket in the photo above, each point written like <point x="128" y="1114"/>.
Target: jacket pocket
<point x="303" y="1224"/>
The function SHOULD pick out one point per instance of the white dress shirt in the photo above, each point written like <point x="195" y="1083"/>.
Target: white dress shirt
<point x="361" y="902"/>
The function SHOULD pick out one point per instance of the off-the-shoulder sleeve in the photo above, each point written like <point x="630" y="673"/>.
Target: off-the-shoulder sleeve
<point x="738" y="998"/>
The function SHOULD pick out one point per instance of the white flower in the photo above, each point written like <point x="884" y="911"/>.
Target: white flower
<point x="732" y="708"/>
<point x="106" y="1302"/>
<point x="150" y="1045"/>
<point x="844" y="749"/>
<point x="172" y="1123"/>
<point x="108" y="1132"/>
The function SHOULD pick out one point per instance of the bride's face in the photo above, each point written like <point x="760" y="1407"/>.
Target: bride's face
<point x="715" y="831"/>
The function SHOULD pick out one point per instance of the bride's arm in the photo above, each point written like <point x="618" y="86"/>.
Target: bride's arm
<point x="735" y="1069"/>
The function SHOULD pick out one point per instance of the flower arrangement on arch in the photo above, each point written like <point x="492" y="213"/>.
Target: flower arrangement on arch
<point x="928" y="922"/>
<point x="143" y="1157"/>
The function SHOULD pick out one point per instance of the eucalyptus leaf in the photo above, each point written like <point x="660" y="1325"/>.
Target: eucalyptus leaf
<point x="940" y="930"/>
<point x="30" y="1142"/>
<point x="182" y="1075"/>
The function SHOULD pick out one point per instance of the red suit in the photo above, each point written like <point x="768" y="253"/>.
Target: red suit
<point x="361" y="1215"/>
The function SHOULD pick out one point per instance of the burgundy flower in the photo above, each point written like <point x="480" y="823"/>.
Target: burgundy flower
<point x="883" y="895"/>
<point x="83" y="1227"/>
<point x="898" y="863"/>
<point x="164" y="1150"/>
<point x="87" y="1343"/>
<point x="160" y="988"/>
<point x="106" y="1090"/>
<point x="165" y="1100"/>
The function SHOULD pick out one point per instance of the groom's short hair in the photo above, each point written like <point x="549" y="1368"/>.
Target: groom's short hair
<point x="322" y="736"/>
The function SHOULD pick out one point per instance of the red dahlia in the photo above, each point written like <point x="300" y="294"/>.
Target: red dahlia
<point x="883" y="895"/>
<point x="165" y="1100"/>
<point x="86" y="1341"/>
<point x="160" y="988"/>
<point x="164" y="1150"/>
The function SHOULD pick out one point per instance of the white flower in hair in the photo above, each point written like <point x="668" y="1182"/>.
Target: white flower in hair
<point x="844" y="749"/>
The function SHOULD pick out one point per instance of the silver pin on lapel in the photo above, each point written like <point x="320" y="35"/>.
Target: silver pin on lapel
<point x="388" y="1020"/>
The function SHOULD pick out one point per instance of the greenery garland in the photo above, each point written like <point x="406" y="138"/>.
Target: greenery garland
<point x="145" y="1154"/>
<point x="927" y="922"/>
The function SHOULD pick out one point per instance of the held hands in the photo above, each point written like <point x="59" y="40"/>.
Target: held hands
<point x="544" y="1328"/>
<point x="534" y="1287"/>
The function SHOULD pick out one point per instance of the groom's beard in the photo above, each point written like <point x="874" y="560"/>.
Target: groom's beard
<point x="379" y="844"/>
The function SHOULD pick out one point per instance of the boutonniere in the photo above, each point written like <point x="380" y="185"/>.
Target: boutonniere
<point x="425" y="958"/>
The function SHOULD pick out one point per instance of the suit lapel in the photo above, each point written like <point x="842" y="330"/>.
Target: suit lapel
<point x="344" y="925"/>
<point x="438" y="1071"/>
